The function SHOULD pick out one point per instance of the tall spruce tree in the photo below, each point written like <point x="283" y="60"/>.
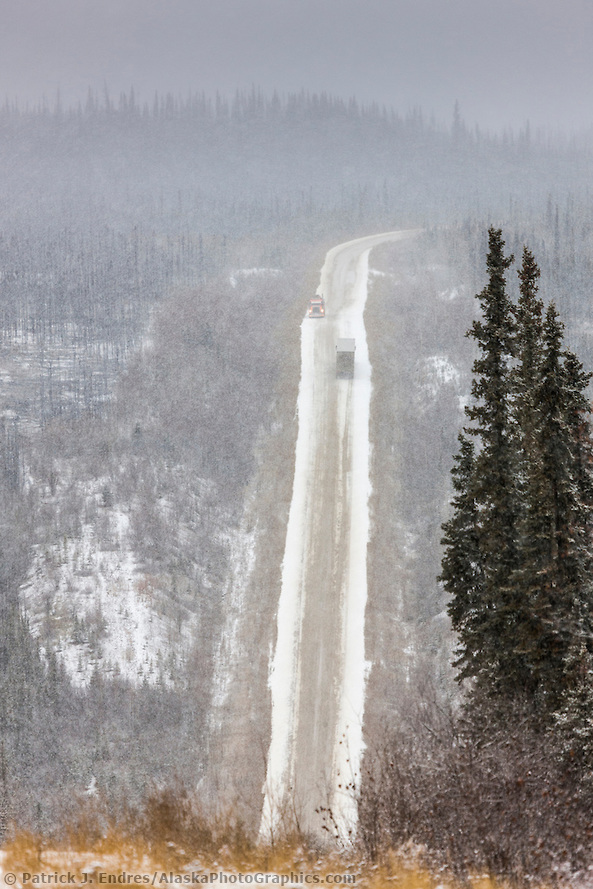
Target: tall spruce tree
<point x="481" y="615"/>
<point x="562" y="605"/>
<point x="533" y="526"/>
<point x="518" y="560"/>
<point x="551" y="584"/>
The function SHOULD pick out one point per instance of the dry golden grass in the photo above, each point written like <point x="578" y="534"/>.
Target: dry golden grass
<point x="172" y="834"/>
<point x="115" y="854"/>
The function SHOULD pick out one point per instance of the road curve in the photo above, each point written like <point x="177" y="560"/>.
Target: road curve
<point x="317" y="676"/>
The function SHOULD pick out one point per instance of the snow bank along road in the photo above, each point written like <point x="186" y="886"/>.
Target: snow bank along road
<point x="318" y="672"/>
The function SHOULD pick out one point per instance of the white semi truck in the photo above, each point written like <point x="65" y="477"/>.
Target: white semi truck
<point x="345" y="349"/>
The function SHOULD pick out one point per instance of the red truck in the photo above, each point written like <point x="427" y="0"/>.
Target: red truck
<point x="317" y="307"/>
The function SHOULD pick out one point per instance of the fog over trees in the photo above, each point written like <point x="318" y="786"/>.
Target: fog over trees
<point x="155" y="262"/>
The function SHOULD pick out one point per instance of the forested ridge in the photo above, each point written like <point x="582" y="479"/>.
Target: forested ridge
<point x="155" y="260"/>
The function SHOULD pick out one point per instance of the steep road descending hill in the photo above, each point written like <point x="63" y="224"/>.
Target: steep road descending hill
<point x="318" y="671"/>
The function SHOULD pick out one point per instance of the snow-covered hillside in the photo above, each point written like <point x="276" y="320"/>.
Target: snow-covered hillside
<point x="90" y="598"/>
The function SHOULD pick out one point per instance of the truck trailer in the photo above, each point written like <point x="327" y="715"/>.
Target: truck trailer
<point x="345" y="348"/>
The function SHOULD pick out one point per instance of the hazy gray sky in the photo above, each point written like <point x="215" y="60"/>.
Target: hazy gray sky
<point x="505" y="61"/>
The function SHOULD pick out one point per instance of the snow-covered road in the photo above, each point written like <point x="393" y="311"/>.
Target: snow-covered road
<point x="318" y="672"/>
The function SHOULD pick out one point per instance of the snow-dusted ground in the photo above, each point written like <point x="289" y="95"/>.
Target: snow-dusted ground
<point x="333" y="432"/>
<point x="253" y="273"/>
<point x="98" y="610"/>
<point x="242" y="548"/>
<point x="435" y="372"/>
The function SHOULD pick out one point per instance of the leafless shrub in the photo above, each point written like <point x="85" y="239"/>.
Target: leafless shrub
<point x="491" y="797"/>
